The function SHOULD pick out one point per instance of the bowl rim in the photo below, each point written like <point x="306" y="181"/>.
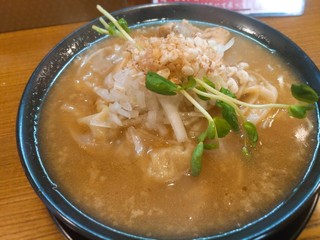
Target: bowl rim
<point x="27" y="118"/>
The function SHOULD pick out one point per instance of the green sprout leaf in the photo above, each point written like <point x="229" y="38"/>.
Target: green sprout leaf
<point x="304" y="93"/>
<point x="223" y="127"/>
<point x="227" y="92"/>
<point x="299" y="111"/>
<point x="211" y="130"/>
<point x="112" y="29"/>
<point x="196" y="160"/>
<point x="229" y="114"/>
<point x="159" y="84"/>
<point x="251" y="131"/>
<point x="207" y="81"/>
<point x="191" y="83"/>
<point x="210" y="146"/>
<point x="208" y="133"/>
<point x="124" y="24"/>
<point x="202" y="136"/>
<point x="202" y="89"/>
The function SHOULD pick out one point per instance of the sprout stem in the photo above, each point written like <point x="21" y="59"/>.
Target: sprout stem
<point x="115" y="22"/>
<point x="221" y="97"/>
<point x="99" y="29"/>
<point x="236" y="101"/>
<point x="197" y="105"/>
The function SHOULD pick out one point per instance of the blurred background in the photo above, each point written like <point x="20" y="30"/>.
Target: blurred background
<point x="25" y="14"/>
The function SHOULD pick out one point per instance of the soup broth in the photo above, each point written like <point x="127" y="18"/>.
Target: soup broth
<point x="135" y="177"/>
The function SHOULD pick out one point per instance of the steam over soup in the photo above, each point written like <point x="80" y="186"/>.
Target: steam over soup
<point x="121" y="153"/>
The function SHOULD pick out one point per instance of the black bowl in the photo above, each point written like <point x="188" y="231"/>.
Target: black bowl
<point x="50" y="67"/>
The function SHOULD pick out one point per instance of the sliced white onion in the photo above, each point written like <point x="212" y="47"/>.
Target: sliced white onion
<point x="170" y="107"/>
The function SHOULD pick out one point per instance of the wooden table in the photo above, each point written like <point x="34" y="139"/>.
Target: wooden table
<point x="22" y="214"/>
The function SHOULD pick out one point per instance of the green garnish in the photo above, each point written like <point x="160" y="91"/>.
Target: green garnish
<point x="115" y="27"/>
<point x="124" y="24"/>
<point x="232" y="116"/>
<point x="202" y="89"/>
<point x="227" y="92"/>
<point x="157" y="83"/>
<point x="211" y="130"/>
<point x="223" y="127"/>
<point x="251" y="131"/>
<point x="299" y="111"/>
<point x="207" y="81"/>
<point x="229" y="114"/>
<point x="191" y="83"/>
<point x="196" y="160"/>
<point x="304" y="93"/>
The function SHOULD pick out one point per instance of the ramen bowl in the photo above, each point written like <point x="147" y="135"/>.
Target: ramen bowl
<point x="56" y="61"/>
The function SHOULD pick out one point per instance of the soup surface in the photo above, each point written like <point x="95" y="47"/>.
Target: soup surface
<point x="125" y="165"/>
